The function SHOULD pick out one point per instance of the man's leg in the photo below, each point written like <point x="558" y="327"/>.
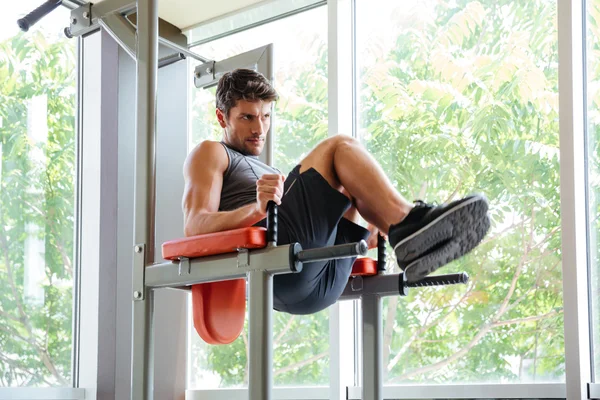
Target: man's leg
<point x="424" y="237"/>
<point x="344" y="163"/>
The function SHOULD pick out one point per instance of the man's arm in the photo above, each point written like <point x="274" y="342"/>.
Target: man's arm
<point x="203" y="172"/>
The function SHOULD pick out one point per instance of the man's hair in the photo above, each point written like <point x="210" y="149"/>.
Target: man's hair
<point x="243" y="84"/>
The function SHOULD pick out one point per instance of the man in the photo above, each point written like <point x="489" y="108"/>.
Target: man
<point x="227" y="187"/>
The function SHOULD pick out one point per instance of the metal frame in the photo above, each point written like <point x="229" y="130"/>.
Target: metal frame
<point x="593" y="390"/>
<point x="260" y="59"/>
<point x="468" y="391"/>
<point x="42" y="394"/>
<point x="573" y="202"/>
<point x="111" y="15"/>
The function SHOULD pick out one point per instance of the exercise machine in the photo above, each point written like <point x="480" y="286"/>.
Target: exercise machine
<point x="213" y="265"/>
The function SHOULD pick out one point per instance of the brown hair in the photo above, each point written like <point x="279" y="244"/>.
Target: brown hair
<point x="243" y="84"/>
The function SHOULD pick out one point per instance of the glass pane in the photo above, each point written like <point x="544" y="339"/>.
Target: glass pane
<point x="456" y="98"/>
<point x="593" y="119"/>
<point x="301" y="343"/>
<point x="37" y="171"/>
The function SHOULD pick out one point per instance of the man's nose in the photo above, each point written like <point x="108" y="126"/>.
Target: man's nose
<point x="258" y="127"/>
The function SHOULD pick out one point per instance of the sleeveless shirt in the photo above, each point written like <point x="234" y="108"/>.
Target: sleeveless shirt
<point x="239" y="180"/>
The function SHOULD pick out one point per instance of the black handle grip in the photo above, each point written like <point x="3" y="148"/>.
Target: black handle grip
<point x="33" y="17"/>
<point x="272" y="223"/>
<point x="439" y="280"/>
<point x="381" y="253"/>
<point x="333" y="252"/>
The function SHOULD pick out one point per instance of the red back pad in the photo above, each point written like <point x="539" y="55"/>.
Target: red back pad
<point x="364" y="266"/>
<point x="215" y="243"/>
<point x="219" y="310"/>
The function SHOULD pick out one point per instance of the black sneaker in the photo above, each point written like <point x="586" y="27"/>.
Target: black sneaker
<point x="431" y="236"/>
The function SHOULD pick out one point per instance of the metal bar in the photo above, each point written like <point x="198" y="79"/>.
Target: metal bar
<point x="145" y="174"/>
<point x="125" y="7"/>
<point x="333" y="252"/>
<point x="73" y="4"/>
<point x="144" y="192"/>
<point x="277" y="260"/>
<point x="255" y="24"/>
<point x="172" y="59"/>
<point x="183" y="50"/>
<point x="78" y="217"/>
<point x="100" y="11"/>
<point x="380" y="285"/>
<point x="142" y="360"/>
<point x="372" y="350"/>
<point x="208" y="74"/>
<point x="260" y="335"/>
<point x="121" y="30"/>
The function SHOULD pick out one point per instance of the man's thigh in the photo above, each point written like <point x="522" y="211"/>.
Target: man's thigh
<point x="319" y="285"/>
<point x="310" y="209"/>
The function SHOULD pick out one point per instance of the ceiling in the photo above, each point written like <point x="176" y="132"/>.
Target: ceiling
<point x="185" y="14"/>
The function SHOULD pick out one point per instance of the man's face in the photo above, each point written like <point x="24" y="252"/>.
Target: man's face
<point x="246" y="128"/>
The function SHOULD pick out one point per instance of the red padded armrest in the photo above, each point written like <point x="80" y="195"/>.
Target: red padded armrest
<point x="215" y="243"/>
<point x="364" y="266"/>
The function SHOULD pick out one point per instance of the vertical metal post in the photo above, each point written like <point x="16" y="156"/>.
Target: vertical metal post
<point x="142" y="361"/>
<point x="372" y="350"/>
<point x="145" y="155"/>
<point x="260" y="335"/>
<point x="144" y="197"/>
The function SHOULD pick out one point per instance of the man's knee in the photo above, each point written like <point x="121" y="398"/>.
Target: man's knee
<point x="340" y="140"/>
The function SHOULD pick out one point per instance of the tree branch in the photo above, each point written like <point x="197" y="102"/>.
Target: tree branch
<point x="527" y="319"/>
<point x="44" y="356"/>
<point x="300" y="364"/>
<point x="287" y="327"/>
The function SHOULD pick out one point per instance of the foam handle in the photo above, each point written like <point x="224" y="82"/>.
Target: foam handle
<point x="33" y="17"/>
<point x="333" y="252"/>
<point x="439" y="280"/>
<point x="271" y="222"/>
<point x="381" y="253"/>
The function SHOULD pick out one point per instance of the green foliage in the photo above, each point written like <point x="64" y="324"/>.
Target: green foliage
<point x="465" y="99"/>
<point x="469" y="104"/>
<point x="36" y="202"/>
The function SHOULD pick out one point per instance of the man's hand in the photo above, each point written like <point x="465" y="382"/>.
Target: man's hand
<point x="269" y="188"/>
<point x="372" y="240"/>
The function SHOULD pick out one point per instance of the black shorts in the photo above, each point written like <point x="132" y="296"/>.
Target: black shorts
<point x="311" y="213"/>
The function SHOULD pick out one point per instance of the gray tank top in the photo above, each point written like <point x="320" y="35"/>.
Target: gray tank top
<point x="239" y="180"/>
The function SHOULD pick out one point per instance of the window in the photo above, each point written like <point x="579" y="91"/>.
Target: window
<point x="593" y="159"/>
<point x="301" y="343"/>
<point x="462" y="97"/>
<point x="37" y="171"/>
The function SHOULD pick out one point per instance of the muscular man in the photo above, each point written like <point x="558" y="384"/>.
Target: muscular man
<point x="228" y="187"/>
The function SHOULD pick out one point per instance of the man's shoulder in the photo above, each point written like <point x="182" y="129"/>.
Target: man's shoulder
<point x="208" y="154"/>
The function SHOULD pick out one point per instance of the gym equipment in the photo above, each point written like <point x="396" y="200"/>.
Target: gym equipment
<point x="210" y="264"/>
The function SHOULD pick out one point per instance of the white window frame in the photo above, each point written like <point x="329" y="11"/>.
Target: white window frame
<point x="574" y="245"/>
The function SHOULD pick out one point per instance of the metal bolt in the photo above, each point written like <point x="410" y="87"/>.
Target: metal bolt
<point x="86" y="15"/>
<point x="197" y="74"/>
<point x="137" y="295"/>
<point x="73" y="20"/>
<point x="138" y="249"/>
<point x="208" y="70"/>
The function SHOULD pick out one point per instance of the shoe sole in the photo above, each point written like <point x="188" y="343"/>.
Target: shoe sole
<point x="458" y="229"/>
<point x="447" y="252"/>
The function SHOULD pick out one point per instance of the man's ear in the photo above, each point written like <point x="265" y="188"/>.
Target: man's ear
<point x="221" y="118"/>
